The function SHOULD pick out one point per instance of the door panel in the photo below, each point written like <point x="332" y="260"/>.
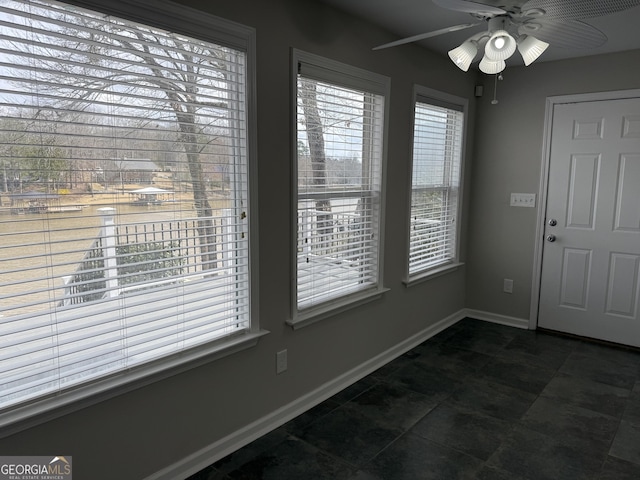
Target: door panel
<point x="583" y="189"/>
<point x="590" y="282"/>
<point x="575" y="278"/>
<point x="622" y="288"/>
<point x="627" y="208"/>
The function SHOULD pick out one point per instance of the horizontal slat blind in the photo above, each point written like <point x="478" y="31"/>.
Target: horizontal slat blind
<point x="339" y="188"/>
<point x="123" y="213"/>
<point x="437" y="147"/>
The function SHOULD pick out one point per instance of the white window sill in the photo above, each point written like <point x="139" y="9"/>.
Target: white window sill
<point x="46" y="409"/>
<point x="432" y="273"/>
<point x="314" y="315"/>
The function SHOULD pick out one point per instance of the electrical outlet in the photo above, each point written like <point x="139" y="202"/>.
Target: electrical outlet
<point x="507" y="285"/>
<point x="281" y="361"/>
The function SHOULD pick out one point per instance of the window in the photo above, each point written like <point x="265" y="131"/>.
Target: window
<point x="435" y="184"/>
<point x="339" y="169"/>
<point x="124" y="178"/>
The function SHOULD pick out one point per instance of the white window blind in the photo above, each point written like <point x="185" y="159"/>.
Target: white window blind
<point x="340" y="119"/>
<point x="437" y="153"/>
<point x="124" y="232"/>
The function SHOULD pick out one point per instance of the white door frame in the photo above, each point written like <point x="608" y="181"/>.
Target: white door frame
<point x="544" y="182"/>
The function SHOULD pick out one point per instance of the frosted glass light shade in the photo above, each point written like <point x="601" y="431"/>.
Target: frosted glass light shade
<point x="500" y="46"/>
<point x="491" y="67"/>
<point x="463" y="55"/>
<point x="531" y="48"/>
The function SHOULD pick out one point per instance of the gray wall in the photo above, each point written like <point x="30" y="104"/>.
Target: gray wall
<point x="508" y="158"/>
<point x="138" y="433"/>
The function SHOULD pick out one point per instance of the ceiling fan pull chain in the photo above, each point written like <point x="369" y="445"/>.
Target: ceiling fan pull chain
<point x="495" y="91"/>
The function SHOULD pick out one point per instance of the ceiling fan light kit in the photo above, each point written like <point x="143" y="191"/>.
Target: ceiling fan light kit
<point x="500" y="46"/>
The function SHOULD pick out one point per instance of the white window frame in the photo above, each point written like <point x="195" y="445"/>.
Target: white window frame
<point x="334" y="72"/>
<point x="180" y="19"/>
<point x="427" y="95"/>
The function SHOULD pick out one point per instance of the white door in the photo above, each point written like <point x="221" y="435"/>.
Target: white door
<point x="590" y="280"/>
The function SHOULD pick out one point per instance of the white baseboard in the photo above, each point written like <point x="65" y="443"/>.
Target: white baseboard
<point x="238" y="439"/>
<point x="496" y="318"/>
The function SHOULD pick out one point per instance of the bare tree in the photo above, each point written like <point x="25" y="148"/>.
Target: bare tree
<point x="315" y="138"/>
<point x="168" y="77"/>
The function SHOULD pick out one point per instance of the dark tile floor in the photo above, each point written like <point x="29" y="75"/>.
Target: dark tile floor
<point x="478" y="401"/>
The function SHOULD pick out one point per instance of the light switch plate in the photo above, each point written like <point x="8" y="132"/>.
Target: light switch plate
<point x="523" y="200"/>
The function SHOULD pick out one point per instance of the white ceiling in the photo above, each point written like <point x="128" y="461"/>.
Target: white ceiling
<point x="405" y="18"/>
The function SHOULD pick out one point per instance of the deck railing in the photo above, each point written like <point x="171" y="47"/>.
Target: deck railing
<point x="118" y="261"/>
<point x="337" y="236"/>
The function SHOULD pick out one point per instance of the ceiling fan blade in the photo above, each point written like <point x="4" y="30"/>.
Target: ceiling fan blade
<point x="576" y="10"/>
<point x="565" y="34"/>
<point x="470" y="7"/>
<point x="422" y="36"/>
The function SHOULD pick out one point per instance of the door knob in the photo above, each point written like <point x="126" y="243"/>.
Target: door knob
<point x="552" y="222"/>
<point x="551" y="238"/>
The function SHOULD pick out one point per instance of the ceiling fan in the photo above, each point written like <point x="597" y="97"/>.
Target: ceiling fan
<point x="529" y="26"/>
